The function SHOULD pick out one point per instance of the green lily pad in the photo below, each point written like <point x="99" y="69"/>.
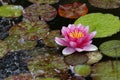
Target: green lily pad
<point x="26" y="76"/>
<point x="105" y="24"/>
<point x="50" y="39"/>
<point x="11" y="11"/>
<point x="44" y="1"/>
<point x="3" y="48"/>
<point x="111" y="48"/>
<point x="46" y="63"/>
<point x="30" y="30"/>
<point x="47" y="79"/>
<point x="94" y="57"/>
<point x="82" y="70"/>
<point x="108" y="70"/>
<point x="15" y="43"/>
<point x="76" y="59"/>
<point x="105" y="4"/>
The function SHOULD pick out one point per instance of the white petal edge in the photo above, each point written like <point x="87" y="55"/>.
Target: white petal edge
<point x="58" y="42"/>
<point x="90" y="47"/>
<point x="67" y="51"/>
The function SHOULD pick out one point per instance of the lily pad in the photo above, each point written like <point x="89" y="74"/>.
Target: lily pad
<point x="50" y="39"/>
<point x="30" y="13"/>
<point x="45" y="11"/>
<point x="105" y="4"/>
<point x="11" y="10"/>
<point x="76" y="59"/>
<point x="3" y="48"/>
<point x="108" y="70"/>
<point x="46" y="64"/>
<point x="26" y="76"/>
<point x="47" y="79"/>
<point x="82" y="70"/>
<point x="105" y="24"/>
<point x="111" y="48"/>
<point x="15" y="43"/>
<point x="94" y="57"/>
<point x="44" y="1"/>
<point x="30" y="30"/>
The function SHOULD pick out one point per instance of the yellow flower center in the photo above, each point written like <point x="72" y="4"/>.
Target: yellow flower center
<point x="76" y="34"/>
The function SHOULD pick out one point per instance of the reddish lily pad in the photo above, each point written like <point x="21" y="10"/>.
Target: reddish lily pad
<point x="50" y="39"/>
<point x="73" y="10"/>
<point x="105" y="4"/>
<point x="30" y="30"/>
<point x="26" y="76"/>
<point x="3" y="48"/>
<point x="76" y="59"/>
<point x="15" y="43"/>
<point x="44" y="1"/>
<point x="45" y="11"/>
<point x="108" y="70"/>
<point x="30" y="13"/>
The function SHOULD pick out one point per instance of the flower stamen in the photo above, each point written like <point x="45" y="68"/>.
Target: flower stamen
<point x="76" y="34"/>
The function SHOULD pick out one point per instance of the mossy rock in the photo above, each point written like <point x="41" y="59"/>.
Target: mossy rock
<point x="46" y="64"/>
<point x="49" y="40"/>
<point x="30" y="30"/>
<point x="111" y="48"/>
<point x="108" y="70"/>
<point x="104" y="24"/>
<point x="25" y="76"/>
<point x="3" y="48"/>
<point x="11" y="10"/>
<point x="16" y="43"/>
<point x="105" y="4"/>
<point x="44" y="1"/>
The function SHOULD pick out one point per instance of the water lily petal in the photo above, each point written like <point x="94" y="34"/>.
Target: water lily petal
<point x="60" y="41"/>
<point x="92" y="34"/>
<point x="90" y="47"/>
<point x="79" y="49"/>
<point x="68" y="51"/>
<point x="86" y="29"/>
<point x="73" y="44"/>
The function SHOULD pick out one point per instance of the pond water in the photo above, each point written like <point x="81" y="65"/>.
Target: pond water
<point x="28" y="50"/>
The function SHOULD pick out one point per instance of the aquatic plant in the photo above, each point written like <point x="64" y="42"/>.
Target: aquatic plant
<point x="76" y="38"/>
<point x="73" y="10"/>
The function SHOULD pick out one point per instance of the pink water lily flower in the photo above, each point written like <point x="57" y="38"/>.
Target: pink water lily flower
<point x="76" y="38"/>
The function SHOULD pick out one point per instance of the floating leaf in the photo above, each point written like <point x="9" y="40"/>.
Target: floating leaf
<point x="3" y="48"/>
<point x="72" y="10"/>
<point x="111" y="48"/>
<point x="50" y="39"/>
<point x="47" y="79"/>
<point x="76" y="59"/>
<point x="94" y="57"/>
<point x="82" y="70"/>
<point x="104" y="24"/>
<point x="46" y="63"/>
<point x="45" y="11"/>
<point x="11" y="11"/>
<point x="30" y="30"/>
<point x="105" y="4"/>
<point x="14" y="43"/>
<point x="26" y="76"/>
<point x="108" y="70"/>
<point x="44" y="1"/>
